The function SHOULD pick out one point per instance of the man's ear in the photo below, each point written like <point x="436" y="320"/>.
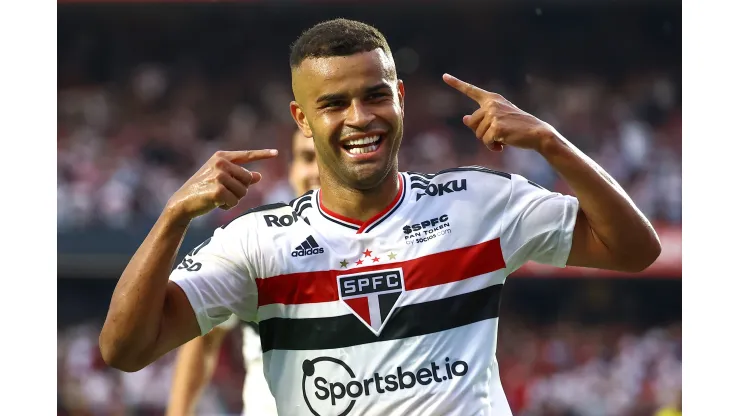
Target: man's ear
<point x="401" y="94"/>
<point x="300" y="119"/>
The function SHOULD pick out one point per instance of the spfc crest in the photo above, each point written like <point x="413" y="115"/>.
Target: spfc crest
<point x="372" y="296"/>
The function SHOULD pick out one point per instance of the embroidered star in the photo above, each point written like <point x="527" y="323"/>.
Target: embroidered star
<point x="392" y="256"/>
<point x="359" y="262"/>
<point x="367" y="252"/>
<point x="343" y="263"/>
<point x="376" y="259"/>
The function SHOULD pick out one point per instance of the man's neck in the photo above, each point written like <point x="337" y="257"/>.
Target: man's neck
<point x="358" y="204"/>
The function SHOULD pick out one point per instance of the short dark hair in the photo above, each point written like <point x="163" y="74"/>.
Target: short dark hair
<point x="338" y="37"/>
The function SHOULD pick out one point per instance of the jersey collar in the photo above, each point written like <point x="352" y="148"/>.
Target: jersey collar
<point x="367" y="226"/>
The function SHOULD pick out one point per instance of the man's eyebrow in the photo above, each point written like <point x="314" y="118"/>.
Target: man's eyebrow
<point x="331" y="97"/>
<point x="378" y="87"/>
<point x="341" y="96"/>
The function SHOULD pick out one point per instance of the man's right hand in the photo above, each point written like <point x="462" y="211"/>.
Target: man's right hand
<point x="221" y="182"/>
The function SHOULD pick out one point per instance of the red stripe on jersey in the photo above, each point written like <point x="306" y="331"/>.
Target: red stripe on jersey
<point x="364" y="225"/>
<point x="454" y="265"/>
<point x="431" y="270"/>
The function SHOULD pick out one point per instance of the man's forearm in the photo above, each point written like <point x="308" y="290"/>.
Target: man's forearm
<point x="137" y="303"/>
<point x="611" y="214"/>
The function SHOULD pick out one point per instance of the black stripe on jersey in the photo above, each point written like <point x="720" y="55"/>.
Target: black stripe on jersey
<point x="421" y="176"/>
<point x="257" y="209"/>
<point x="298" y="202"/>
<point x="406" y="321"/>
<point x="477" y="169"/>
<point x="299" y="206"/>
<point x="304" y="207"/>
<point x="421" y="186"/>
<point x="400" y="202"/>
<point x="417" y="178"/>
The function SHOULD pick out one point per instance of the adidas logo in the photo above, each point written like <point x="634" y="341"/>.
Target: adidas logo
<point x="308" y="247"/>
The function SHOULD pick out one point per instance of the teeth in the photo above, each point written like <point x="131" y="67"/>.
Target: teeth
<point x="361" y="150"/>
<point x="364" y="140"/>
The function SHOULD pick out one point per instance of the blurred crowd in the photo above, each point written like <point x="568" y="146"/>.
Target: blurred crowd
<point x="118" y="163"/>
<point x="87" y="386"/>
<point x="140" y="111"/>
<point x="608" y="370"/>
<point x="565" y="369"/>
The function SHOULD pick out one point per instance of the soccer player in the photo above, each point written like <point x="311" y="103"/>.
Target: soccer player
<point x="197" y="359"/>
<point x="378" y="294"/>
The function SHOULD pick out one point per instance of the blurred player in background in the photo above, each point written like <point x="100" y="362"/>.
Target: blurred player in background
<point x="197" y="359"/>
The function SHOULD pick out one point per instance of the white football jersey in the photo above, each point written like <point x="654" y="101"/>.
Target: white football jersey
<point x="396" y="315"/>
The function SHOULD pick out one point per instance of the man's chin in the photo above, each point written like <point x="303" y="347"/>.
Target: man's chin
<point x="367" y="177"/>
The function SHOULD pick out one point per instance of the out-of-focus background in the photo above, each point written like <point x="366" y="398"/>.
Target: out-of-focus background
<point x="147" y="92"/>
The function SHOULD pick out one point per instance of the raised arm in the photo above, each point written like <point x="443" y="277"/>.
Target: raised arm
<point x="610" y="232"/>
<point x="149" y="315"/>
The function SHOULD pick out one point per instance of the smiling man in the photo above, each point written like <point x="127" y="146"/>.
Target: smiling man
<point x="379" y="293"/>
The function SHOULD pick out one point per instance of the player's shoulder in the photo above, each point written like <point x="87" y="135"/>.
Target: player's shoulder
<point x="472" y="172"/>
<point x="276" y="214"/>
<point x="467" y="183"/>
<point x="302" y="202"/>
<point x="249" y="216"/>
<point x="472" y="180"/>
<point x="462" y="172"/>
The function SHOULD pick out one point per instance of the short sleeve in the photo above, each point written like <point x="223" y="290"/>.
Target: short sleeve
<point x="217" y="278"/>
<point x="537" y="225"/>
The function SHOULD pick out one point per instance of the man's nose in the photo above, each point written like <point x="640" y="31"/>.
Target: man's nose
<point x="359" y="115"/>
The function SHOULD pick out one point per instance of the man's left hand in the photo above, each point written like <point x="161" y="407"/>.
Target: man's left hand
<point x="500" y="123"/>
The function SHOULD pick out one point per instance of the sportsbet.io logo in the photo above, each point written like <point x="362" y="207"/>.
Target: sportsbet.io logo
<point x="331" y="387"/>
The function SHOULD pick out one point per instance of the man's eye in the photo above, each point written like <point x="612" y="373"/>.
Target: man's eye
<point x="377" y="95"/>
<point x="332" y="104"/>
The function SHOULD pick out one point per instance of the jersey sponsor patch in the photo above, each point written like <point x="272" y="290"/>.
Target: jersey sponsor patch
<point x="439" y="189"/>
<point x="372" y="296"/>
<point x="308" y="247"/>
<point x="331" y="387"/>
<point x="281" y="221"/>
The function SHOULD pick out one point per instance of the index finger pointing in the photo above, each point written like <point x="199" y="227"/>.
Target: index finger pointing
<point x="245" y="156"/>
<point x="470" y="90"/>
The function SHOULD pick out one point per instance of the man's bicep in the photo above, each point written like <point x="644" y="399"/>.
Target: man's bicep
<point x="179" y="323"/>
<point x="587" y="249"/>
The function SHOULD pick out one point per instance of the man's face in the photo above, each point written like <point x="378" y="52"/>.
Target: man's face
<point x="352" y="106"/>
<point x="304" y="172"/>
